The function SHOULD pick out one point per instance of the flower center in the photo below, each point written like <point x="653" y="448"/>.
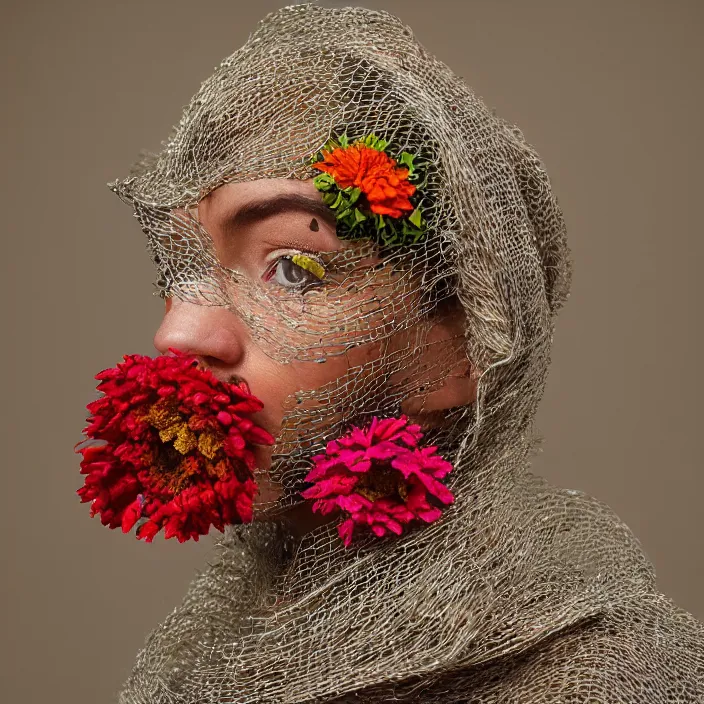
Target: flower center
<point x="187" y="447"/>
<point x="382" y="482"/>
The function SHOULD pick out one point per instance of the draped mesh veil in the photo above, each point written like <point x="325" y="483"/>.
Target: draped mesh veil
<point x="521" y="592"/>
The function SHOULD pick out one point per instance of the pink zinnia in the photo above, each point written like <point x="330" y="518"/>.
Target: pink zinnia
<point x="175" y="448"/>
<point x="380" y="478"/>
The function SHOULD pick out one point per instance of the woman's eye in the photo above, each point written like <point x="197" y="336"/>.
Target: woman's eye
<point x="296" y="271"/>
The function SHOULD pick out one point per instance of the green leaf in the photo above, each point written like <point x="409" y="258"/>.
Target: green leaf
<point x="418" y="236"/>
<point x="375" y="142"/>
<point x="391" y="240"/>
<point x="419" y="184"/>
<point x="415" y="217"/>
<point x="359" y="216"/>
<point x="344" y="141"/>
<point x="324" y="182"/>
<point x="354" y="195"/>
<point x="329" y="198"/>
<point x="338" y="201"/>
<point x="391" y="233"/>
<point x="407" y="160"/>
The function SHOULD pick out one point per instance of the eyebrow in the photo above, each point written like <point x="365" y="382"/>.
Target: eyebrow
<point x="260" y="209"/>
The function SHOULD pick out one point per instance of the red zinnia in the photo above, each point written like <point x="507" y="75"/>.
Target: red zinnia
<point x="176" y="448"/>
<point x="375" y="173"/>
<point x="380" y="478"/>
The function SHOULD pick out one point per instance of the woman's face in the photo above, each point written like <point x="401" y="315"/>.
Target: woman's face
<point x="309" y="312"/>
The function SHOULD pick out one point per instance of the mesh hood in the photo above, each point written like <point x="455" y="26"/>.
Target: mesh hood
<point x="496" y="231"/>
<point x="513" y="562"/>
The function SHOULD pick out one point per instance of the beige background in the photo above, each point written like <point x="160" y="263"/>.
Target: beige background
<point x="610" y="92"/>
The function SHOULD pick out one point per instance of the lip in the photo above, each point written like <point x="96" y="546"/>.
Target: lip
<point x="221" y="375"/>
<point x="239" y="381"/>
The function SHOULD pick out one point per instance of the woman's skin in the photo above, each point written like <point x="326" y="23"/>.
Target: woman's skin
<point x="253" y="225"/>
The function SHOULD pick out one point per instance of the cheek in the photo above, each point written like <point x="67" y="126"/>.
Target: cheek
<point x="308" y="376"/>
<point x="352" y="364"/>
<point x="280" y="383"/>
<point x="358" y="305"/>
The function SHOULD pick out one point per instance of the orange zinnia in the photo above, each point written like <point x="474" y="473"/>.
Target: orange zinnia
<point x="375" y="173"/>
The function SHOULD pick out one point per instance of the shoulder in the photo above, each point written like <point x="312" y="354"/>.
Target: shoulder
<point x="645" y="652"/>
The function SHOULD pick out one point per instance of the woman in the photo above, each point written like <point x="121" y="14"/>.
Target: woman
<point x="338" y="221"/>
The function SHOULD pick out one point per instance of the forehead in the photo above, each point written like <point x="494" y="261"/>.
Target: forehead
<point x="234" y="195"/>
<point x="237" y="206"/>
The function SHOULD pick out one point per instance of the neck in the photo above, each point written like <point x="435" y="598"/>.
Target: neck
<point x="299" y="519"/>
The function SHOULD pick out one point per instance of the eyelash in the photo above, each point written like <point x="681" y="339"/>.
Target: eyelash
<point x="163" y="289"/>
<point x="315" y="270"/>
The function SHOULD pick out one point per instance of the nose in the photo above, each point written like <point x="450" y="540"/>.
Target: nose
<point x="211" y="332"/>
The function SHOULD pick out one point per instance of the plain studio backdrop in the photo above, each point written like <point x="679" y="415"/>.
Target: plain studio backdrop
<point x="608" y="91"/>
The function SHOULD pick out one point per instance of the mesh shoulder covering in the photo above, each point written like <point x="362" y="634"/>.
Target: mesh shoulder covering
<point x="522" y="592"/>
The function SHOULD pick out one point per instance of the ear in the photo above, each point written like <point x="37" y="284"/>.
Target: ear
<point x="459" y="388"/>
<point x="458" y="384"/>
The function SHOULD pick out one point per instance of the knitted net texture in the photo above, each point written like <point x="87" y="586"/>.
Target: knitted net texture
<point x="522" y="592"/>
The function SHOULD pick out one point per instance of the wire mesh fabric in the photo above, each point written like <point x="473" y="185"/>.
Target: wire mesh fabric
<point x="522" y="592"/>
